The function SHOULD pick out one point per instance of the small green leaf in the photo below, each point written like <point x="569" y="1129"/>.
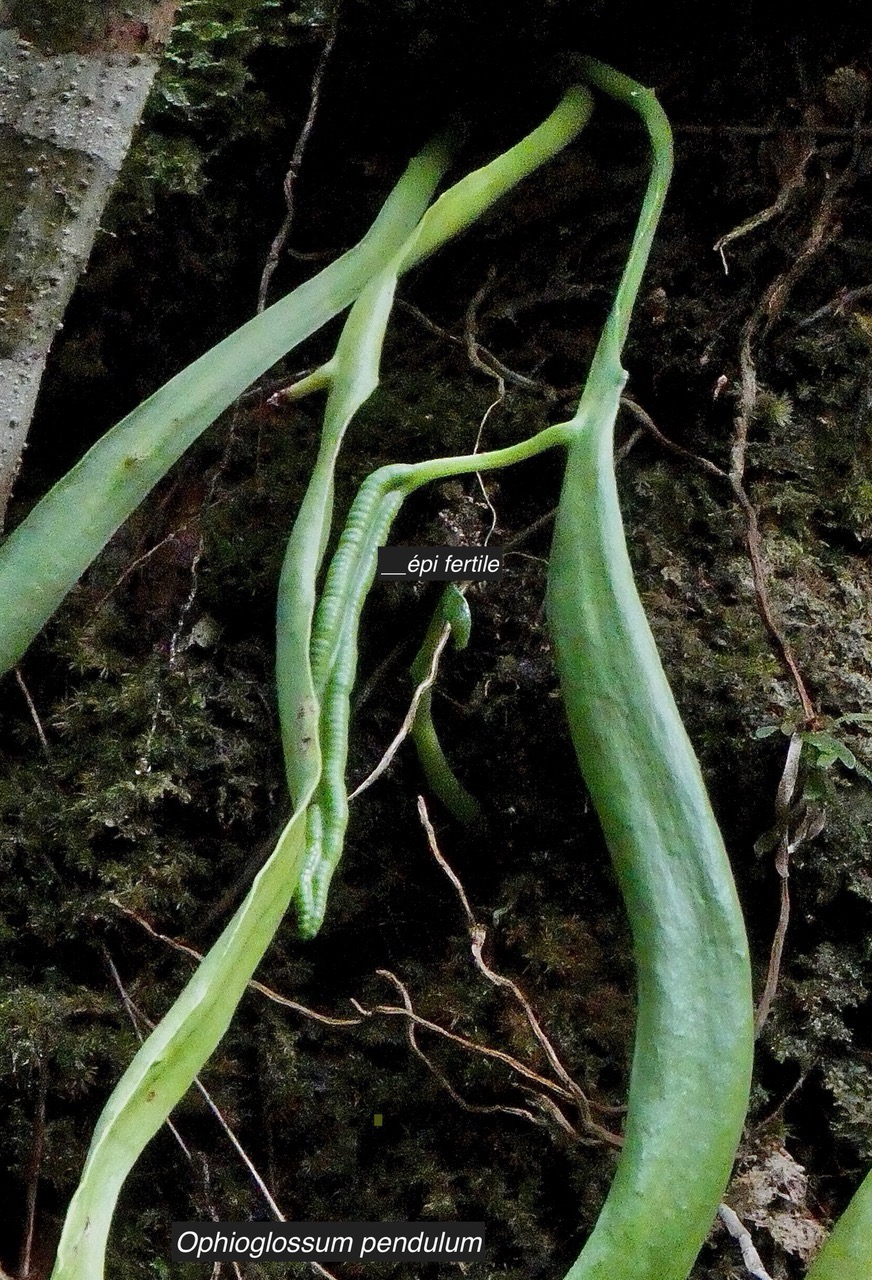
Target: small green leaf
<point x="830" y="749"/>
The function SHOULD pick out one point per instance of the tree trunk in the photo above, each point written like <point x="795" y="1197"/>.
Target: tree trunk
<point x="74" y="77"/>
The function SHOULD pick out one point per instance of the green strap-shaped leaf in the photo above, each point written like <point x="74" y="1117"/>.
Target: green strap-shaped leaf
<point x="163" y="1069"/>
<point x="48" y="552"/>
<point x="692" y="1057"/>
<point x="847" y="1254"/>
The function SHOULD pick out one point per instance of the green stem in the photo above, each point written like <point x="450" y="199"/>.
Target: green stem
<point x="352" y="376"/>
<point x="452" y="611"/>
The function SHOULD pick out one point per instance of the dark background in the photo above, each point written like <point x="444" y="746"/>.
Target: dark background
<point x="116" y="679"/>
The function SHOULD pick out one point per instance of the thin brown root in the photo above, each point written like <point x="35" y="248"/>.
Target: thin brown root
<point x="794" y="181"/>
<point x="263" y="990"/>
<point x="279" y="243"/>
<point x="785" y="845"/>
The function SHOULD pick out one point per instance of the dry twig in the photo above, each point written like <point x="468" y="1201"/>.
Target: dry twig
<point x="34" y="714"/>
<point x="37" y="1151"/>
<point x="486" y="1051"/>
<point x="753" y="542"/>
<point x="568" y="1092"/>
<point x="823" y="231"/>
<point x="778" y="1110"/>
<point x="413" y="1021"/>
<point x="290" y="182"/>
<point x="144" y="558"/>
<point x="783" y="799"/>
<point x="742" y="1236"/>
<point x="837" y="306"/>
<point x="768" y="130"/>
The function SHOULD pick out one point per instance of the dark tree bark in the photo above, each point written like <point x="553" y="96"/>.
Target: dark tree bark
<point x="74" y="77"/>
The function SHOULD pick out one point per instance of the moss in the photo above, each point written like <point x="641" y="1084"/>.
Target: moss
<point x="154" y="685"/>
